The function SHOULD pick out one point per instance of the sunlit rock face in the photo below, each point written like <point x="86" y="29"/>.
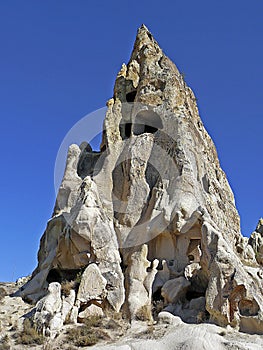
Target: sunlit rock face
<point x="152" y="210"/>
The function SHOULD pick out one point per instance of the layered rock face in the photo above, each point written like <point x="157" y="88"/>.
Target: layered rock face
<point x="151" y="218"/>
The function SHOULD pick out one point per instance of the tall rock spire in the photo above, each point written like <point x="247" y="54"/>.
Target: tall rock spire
<point x="153" y="210"/>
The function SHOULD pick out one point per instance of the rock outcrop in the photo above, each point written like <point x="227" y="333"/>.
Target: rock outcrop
<point x="151" y="217"/>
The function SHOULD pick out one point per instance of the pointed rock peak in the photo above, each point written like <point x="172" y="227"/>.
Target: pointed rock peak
<point x="143" y="28"/>
<point x="144" y="39"/>
<point x="154" y="194"/>
<point x="137" y="81"/>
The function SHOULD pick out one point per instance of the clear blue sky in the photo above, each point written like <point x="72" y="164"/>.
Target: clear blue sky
<point x="58" y="62"/>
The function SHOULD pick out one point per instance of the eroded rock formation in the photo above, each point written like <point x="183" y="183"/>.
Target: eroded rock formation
<point x="151" y="218"/>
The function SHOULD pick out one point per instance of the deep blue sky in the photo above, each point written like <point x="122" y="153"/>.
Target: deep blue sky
<point x="58" y="62"/>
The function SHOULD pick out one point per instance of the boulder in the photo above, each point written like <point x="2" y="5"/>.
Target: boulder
<point x="168" y="318"/>
<point x="92" y="285"/>
<point x="175" y="289"/>
<point x="48" y="317"/>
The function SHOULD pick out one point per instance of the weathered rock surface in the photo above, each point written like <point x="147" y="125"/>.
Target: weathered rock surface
<point x="256" y="242"/>
<point x="187" y="337"/>
<point x="169" y="333"/>
<point x="152" y="214"/>
<point x="48" y="316"/>
<point x="175" y="289"/>
<point x="92" y="285"/>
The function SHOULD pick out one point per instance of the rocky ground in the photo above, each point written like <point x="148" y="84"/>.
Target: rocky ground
<point x="167" y="332"/>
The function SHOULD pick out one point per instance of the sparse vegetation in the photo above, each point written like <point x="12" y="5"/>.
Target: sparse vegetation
<point x="3" y="293"/>
<point x="158" y="306"/>
<point x="78" y="277"/>
<point x="144" y="313"/>
<point x="29" y="335"/>
<point x="93" y="321"/>
<point x="223" y="333"/>
<point x="4" y="343"/>
<point x="112" y="324"/>
<point x="88" y="334"/>
<point x="150" y="331"/>
<point x="66" y="287"/>
<point x="202" y="316"/>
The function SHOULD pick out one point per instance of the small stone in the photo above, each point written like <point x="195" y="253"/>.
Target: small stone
<point x="174" y="289"/>
<point x="167" y="318"/>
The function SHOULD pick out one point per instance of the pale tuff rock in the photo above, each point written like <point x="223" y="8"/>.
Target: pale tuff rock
<point x="67" y="305"/>
<point x="256" y="242"/>
<point x="92" y="285"/>
<point x="189" y="337"/>
<point x="168" y="318"/>
<point x="174" y="289"/>
<point x="12" y="312"/>
<point x="92" y="310"/>
<point x="139" y="282"/>
<point x="151" y="215"/>
<point x="48" y="317"/>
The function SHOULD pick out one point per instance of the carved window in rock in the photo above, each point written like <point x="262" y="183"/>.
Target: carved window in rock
<point x="194" y="250"/>
<point x="130" y="96"/>
<point x="125" y="130"/>
<point x="147" y="122"/>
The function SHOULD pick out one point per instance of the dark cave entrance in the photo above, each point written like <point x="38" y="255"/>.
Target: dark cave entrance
<point x="130" y="96"/>
<point x="145" y="122"/>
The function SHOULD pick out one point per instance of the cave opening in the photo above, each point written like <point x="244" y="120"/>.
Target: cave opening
<point x="194" y="251"/>
<point x="248" y="307"/>
<point x="147" y="121"/>
<point x="128" y="129"/>
<point x="193" y="294"/>
<point x="130" y="96"/>
<point x="57" y="275"/>
<point x="125" y="130"/>
<point x="144" y="128"/>
<point x="157" y="296"/>
<point x="54" y="276"/>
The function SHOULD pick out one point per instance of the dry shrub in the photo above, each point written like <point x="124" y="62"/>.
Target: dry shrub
<point x="117" y="316"/>
<point x="112" y="324"/>
<point x="202" y="316"/>
<point x="149" y="333"/>
<point x="93" y="321"/>
<point x="66" y="287"/>
<point x="144" y="313"/>
<point x="85" y="336"/>
<point x="3" y="293"/>
<point x="81" y="336"/>
<point x="89" y="333"/>
<point x="158" y="306"/>
<point x="29" y="335"/>
<point x="116" y="323"/>
<point x="4" y="343"/>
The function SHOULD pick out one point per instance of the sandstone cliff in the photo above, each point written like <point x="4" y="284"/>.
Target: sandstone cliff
<point x="149" y="223"/>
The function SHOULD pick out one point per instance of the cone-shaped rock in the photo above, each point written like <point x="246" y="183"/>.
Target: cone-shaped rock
<point x="153" y="210"/>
